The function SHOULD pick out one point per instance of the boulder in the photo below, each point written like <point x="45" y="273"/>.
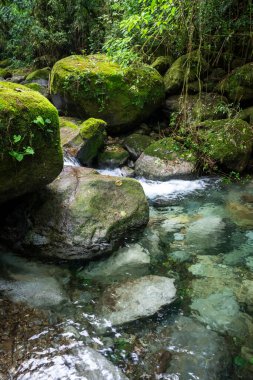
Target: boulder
<point x="31" y="155"/>
<point x="165" y="159"/>
<point x="71" y="361"/>
<point x="246" y="114"/>
<point x="134" y="299"/>
<point x="93" y="134"/>
<point x="82" y="140"/>
<point x="132" y="261"/>
<point x="5" y="73"/>
<point x="81" y="215"/>
<point x="187" y="67"/>
<point x="191" y="351"/>
<point x="136" y="144"/>
<point x="162" y="63"/>
<point x="238" y="85"/>
<point x="40" y="76"/>
<point x="94" y="86"/>
<point x="228" y="142"/>
<point x="113" y="157"/>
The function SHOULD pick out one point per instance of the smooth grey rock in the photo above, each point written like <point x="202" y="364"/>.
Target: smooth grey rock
<point x="197" y="353"/>
<point x="132" y="261"/>
<point x="154" y="168"/>
<point x="69" y="363"/>
<point x="135" y="299"/>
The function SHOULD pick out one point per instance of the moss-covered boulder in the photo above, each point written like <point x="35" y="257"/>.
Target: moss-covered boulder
<point x="82" y="140"/>
<point x="93" y="86"/>
<point x="209" y="106"/>
<point x="136" y="144"/>
<point x="82" y="215"/>
<point x="189" y="67"/>
<point x="205" y="106"/>
<point x="5" y="63"/>
<point x="162" y="63"/>
<point x="246" y="114"/>
<point x="40" y="76"/>
<point x="93" y="134"/>
<point x="227" y="143"/>
<point x="5" y="73"/>
<point x="43" y="90"/>
<point x="238" y="85"/>
<point x="112" y="157"/>
<point x="30" y="151"/>
<point x="165" y="159"/>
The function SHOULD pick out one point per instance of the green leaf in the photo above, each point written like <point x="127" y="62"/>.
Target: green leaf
<point x="17" y="155"/>
<point x="39" y="120"/>
<point x="16" y="138"/>
<point x="28" y="150"/>
<point x="48" y="121"/>
<point x="239" y="361"/>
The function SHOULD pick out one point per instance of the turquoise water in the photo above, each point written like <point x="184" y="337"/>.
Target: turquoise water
<point x="201" y="235"/>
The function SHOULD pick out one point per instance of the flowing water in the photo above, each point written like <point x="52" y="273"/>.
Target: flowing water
<point x="200" y="234"/>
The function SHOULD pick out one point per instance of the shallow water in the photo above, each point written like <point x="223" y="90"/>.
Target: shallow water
<point x="201" y="235"/>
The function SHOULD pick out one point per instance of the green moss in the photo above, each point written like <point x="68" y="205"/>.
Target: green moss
<point x="92" y="131"/>
<point x="114" y="156"/>
<point x="162" y="63"/>
<point x="39" y="74"/>
<point x="188" y="67"/>
<point x="246" y="115"/>
<point x="92" y="127"/>
<point x="137" y="143"/>
<point x="5" y="73"/>
<point x="19" y="107"/>
<point x="169" y="149"/>
<point x="238" y="85"/>
<point x="37" y="87"/>
<point x="228" y="142"/>
<point x="69" y="122"/>
<point x="94" y="86"/>
<point x="5" y="63"/>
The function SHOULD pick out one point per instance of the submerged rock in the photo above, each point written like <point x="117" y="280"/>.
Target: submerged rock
<point x="30" y="151"/>
<point x="81" y="215"/>
<point x="69" y="362"/>
<point x="136" y="299"/>
<point x="36" y="284"/>
<point x="94" y="86"/>
<point x="165" y="159"/>
<point x="132" y="261"/>
<point x="194" y="352"/>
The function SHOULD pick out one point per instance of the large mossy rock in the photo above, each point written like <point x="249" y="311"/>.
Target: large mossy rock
<point x="227" y="142"/>
<point x="238" y="85"/>
<point x="165" y="159"/>
<point x="82" y="215"/>
<point x="30" y="151"/>
<point x="162" y="63"/>
<point x="82" y="140"/>
<point x="136" y="144"/>
<point x="93" y="86"/>
<point x="188" y="67"/>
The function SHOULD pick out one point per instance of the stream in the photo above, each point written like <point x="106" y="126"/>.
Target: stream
<point x="200" y="235"/>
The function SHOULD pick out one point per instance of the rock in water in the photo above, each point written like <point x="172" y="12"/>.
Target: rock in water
<point x="81" y="215"/>
<point x="30" y="151"/>
<point x="93" y="86"/>
<point x="70" y="363"/>
<point x="195" y="352"/>
<point x="135" y="299"/>
<point x="165" y="159"/>
<point x="131" y="261"/>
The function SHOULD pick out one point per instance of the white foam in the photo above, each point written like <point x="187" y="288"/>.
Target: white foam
<point x="111" y="172"/>
<point x="70" y="161"/>
<point x="173" y="188"/>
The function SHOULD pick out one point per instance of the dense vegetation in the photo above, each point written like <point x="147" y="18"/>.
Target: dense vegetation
<point x="129" y="30"/>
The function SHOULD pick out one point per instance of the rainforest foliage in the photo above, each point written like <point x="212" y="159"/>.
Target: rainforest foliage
<point x="41" y="31"/>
